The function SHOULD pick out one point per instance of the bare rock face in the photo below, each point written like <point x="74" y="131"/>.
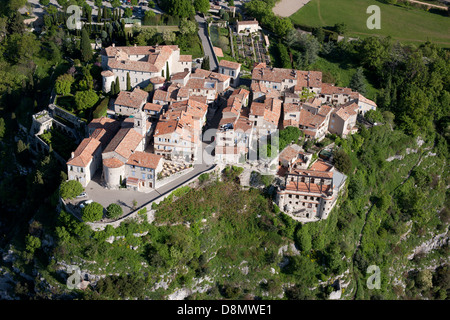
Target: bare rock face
<point x="432" y="244"/>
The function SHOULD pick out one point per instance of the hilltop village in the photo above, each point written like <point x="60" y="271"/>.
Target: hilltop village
<point x="144" y="130"/>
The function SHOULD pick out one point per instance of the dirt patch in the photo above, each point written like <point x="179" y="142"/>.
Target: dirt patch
<point x="286" y="8"/>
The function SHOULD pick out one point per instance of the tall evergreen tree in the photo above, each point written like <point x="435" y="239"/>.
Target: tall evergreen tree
<point x="128" y="82"/>
<point x="205" y="63"/>
<point x="86" y="50"/>
<point x="358" y="81"/>
<point x="117" y="86"/>
<point x="167" y="70"/>
<point x="112" y="90"/>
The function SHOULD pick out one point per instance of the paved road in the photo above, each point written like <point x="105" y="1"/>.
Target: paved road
<point x="207" y="47"/>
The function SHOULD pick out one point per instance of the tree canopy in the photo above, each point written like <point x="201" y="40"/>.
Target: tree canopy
<point x="92" y="212"/>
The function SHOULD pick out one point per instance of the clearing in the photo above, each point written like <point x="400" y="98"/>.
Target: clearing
<point x="409" y="25"/>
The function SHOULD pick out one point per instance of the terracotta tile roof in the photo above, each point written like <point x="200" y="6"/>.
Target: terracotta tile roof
<point x="157" y="80"/>
<point x="270" y="109"/>
<point x="321" y="165"/>
<point x="183" y="93"/>
<point x="229" y="64"/>
<point x="273" y="74"/>
<point x="112" y="163"/>
<point x="290" y="123"/>
<point x="308" y="79"/>
<point x="325" y="110"/>
<point x="310" y="120"/>
<point x="124" y="142"/>
<point x="201" y="99"/>
<point x="292" y="107"/>
<point x="156" y="57"/>
<point x="192" y="107"/>
<point x="258" y="87"/>
<point x="84" y="152"/>
<point x="248" y="22"/>
<point x="361" y="98"/>
<point x="160" y="95"/>
<point x="328" y="88"/>
<point x="185" y="58"/>
<point x="109" y="125"/>
<point x="210" y="75"/>
<point x="243" y="124"/>
<point x="144" y="159"/>
<point x="180" y="123"/>
<point x="133" y="99"/>
<point x="218" y="51"/>
<point x="230" y="149"/>
<point x="200" y="84"/>
<point x="180" y="75"/>
<point x="345" y="112"/>
<point x="307" y="188"/>
<point x="290" y="152"/>
<point x="314" y="173"/>
<point x="153" y="107"/>
<point x="107" y="73"/>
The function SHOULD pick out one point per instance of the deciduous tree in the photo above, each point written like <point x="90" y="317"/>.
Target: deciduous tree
<point x="85" y="99"/>
<point x="63" y="84"/>
<point x="70" y="189"/>
<point x="92" y="212"/>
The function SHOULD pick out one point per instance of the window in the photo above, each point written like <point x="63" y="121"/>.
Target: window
<point x="133" y="173"/>
<point x="81" y="170"/>
<point x="143" y="176"/>
<point x="149" y="176"/>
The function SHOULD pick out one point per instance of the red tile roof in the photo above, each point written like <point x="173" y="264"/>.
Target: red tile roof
<point x="330" y="89"/>
<point x="112" y="163"/>
<point x="229" y="64"/>
<point x="153" y="107"/>
<point x="144" y="159"/>
<point x="124" y="142"/>
<point x="84" y="152"/>
<point x="133" y="99"/>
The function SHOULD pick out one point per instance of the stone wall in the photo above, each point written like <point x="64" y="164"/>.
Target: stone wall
<point x="96" y="226"/>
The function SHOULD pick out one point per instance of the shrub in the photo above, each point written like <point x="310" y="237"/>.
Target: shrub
<point x="70" y="189"/>
<point x="92" y="212"/>
<point x="203" y="177"/>
<point x="101" y="109"/>
<point x="113" y="211"/>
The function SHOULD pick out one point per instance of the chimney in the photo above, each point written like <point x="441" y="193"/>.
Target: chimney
<point x="113" y="45"/>
<point x="72" y="155"/>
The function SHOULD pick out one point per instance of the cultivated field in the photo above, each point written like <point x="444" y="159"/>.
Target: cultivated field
<point x="407" y="25"/>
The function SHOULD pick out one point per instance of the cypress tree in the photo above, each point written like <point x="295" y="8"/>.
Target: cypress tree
<point x="112" y="90"/>
<point x="167" y="70"/>
<point x="86" y="50"/>
<point x="117" y="86"/>
<point x="128" y="82"/>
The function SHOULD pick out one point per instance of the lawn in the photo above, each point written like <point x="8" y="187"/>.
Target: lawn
<point x="340" y="73"/>
<point x="408" y="25"/>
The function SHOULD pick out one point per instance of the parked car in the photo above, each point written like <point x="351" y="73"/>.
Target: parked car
<point x="85" y="203"/>
<point x="82" y="195"/>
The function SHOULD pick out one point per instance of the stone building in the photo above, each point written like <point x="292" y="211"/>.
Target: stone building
<point x="309" y="194"/>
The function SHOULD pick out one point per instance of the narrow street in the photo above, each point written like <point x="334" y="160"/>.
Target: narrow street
<point x="207" y="47"/>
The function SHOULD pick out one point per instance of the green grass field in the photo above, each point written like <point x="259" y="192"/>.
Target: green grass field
<point x="409" y="25"/>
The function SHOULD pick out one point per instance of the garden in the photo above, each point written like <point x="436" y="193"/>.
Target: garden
<point x="245" y="49"/>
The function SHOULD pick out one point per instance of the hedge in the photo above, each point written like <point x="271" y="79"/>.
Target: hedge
<point x="101" y="109"/>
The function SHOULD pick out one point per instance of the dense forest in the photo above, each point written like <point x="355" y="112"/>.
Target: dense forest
<point x="396" y="197"/>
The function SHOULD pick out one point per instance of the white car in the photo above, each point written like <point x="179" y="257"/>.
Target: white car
<point x="82" y="195"/>
<point x="85" y="203"/>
